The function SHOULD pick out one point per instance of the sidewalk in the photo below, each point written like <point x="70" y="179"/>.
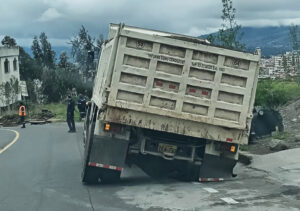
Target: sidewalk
<point x="283" y="166"/>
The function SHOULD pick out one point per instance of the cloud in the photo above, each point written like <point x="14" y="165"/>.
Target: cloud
<point x="49" y="15"/>
<point x="61" y="19"/>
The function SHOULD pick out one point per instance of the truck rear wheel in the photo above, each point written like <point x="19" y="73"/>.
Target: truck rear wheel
<point x="109" y="176"/>
<point x="91" y="175"/>
<point x="94" y="175"/>
<point x="186" y="171"/>
<point x="191" y="172"/>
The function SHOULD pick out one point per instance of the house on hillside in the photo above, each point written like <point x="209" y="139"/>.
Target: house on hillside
<point x="9" y="76"/>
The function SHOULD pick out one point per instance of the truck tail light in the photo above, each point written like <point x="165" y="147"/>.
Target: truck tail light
<point x="226" y="147"/>
<point x="107" y="127"/>
<point x="116" y="128"/>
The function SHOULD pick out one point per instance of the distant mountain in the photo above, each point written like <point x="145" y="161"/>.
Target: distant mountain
<point x="271" y="40"/>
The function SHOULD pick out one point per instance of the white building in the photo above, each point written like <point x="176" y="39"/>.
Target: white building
<point x="277" y="63"/>
<point x="9" y="69"/>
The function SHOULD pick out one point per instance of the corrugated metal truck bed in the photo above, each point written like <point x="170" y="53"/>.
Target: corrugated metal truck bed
<point x="165" y="77"/>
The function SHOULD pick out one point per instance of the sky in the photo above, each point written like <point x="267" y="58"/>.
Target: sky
<point x="61" y="19"/>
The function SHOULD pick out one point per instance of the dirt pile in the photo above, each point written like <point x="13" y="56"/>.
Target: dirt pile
<point x="291" y="116"/>
<point x="10" y="120"/>
<point x="43" y="115"/>
<point x="14" y="119"/>
<point x="290" y="139"/>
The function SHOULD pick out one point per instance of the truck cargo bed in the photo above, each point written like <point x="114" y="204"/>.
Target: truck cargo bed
<point x="176" y="83"/>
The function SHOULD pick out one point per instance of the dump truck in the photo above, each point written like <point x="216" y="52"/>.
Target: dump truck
<point x="171" y="104"/>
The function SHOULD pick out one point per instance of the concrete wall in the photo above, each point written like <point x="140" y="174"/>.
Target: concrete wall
<point x="12" y="56"/>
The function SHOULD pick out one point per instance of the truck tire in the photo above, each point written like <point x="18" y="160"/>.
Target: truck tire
<point x="109" y="176"/>
<point x="192" y="172"/>
<point x="188" y="171"/>
<point x="91" y="175"/>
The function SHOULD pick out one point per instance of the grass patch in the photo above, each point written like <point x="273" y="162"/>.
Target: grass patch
<point x="59" y="109"/>
<point x="244" y="147"/>
<point x="281" y="135"/>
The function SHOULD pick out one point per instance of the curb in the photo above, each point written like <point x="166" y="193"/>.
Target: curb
<point x="245" y="157"/>
<point x="37" y="122"/>
<point x="55" y="120"/>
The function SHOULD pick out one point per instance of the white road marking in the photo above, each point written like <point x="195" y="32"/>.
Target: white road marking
<point x="196" y="183"/>
<point x="211" y="190"/>
<point x="230" y="200"/>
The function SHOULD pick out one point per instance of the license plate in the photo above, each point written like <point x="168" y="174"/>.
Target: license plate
<point x="167" y="148"/>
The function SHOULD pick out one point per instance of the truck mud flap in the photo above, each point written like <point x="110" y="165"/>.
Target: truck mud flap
<point x="216" y="167"/>
<point x="105" y="159"/>
<point x="109" y="152"/>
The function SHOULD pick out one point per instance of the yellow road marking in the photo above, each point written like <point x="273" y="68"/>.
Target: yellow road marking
<point x="11" y="143"/>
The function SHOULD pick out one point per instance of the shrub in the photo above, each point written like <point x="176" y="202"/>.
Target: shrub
<point x="274" y="93"/>
<point x="57" y="82"/>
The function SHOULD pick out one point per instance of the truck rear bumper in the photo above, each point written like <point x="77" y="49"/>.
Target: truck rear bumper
<point x="106" y="166"/>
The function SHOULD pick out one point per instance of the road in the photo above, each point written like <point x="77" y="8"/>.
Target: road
<point x="41" y="171"/>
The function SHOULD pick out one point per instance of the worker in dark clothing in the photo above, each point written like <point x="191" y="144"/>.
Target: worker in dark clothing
<point x="70" y="115"/>
<point x="22" y="114"/>
<point x="81" y="106"/>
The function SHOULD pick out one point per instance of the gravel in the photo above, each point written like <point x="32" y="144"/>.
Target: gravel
<point x="291" y="116"/>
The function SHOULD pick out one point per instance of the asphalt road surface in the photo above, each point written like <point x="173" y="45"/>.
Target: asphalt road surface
<point x="41" y="171"/>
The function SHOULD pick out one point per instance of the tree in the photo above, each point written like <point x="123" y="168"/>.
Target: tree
<point x="51" y="85"/>
<point x="63" y="60"/>
<point x="211" y="38"/>
<point x="228" y="36"/>
<point x="56" y="83"/>
<point x="293" y="60"/>
<point x="99" y="44"/>
<point x="29" y="68"/>
<point x="284" y="63"/>
<point x="42" y="51"/>
<point x="294" y="37"/>
<point x="65" y="64"/>
<point x="47" y="52"/>
<point x="8" y="41"/>
<point x="2" y="94"/>
<point x="295" y="42"/>
<point x="82" y="44"/>
<point x="270" y="94"/>
<point x="9" y="91"/>
<point x="84" y="50"/>
<point x="36" y="50"/>
<point x="30" y="71"/>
